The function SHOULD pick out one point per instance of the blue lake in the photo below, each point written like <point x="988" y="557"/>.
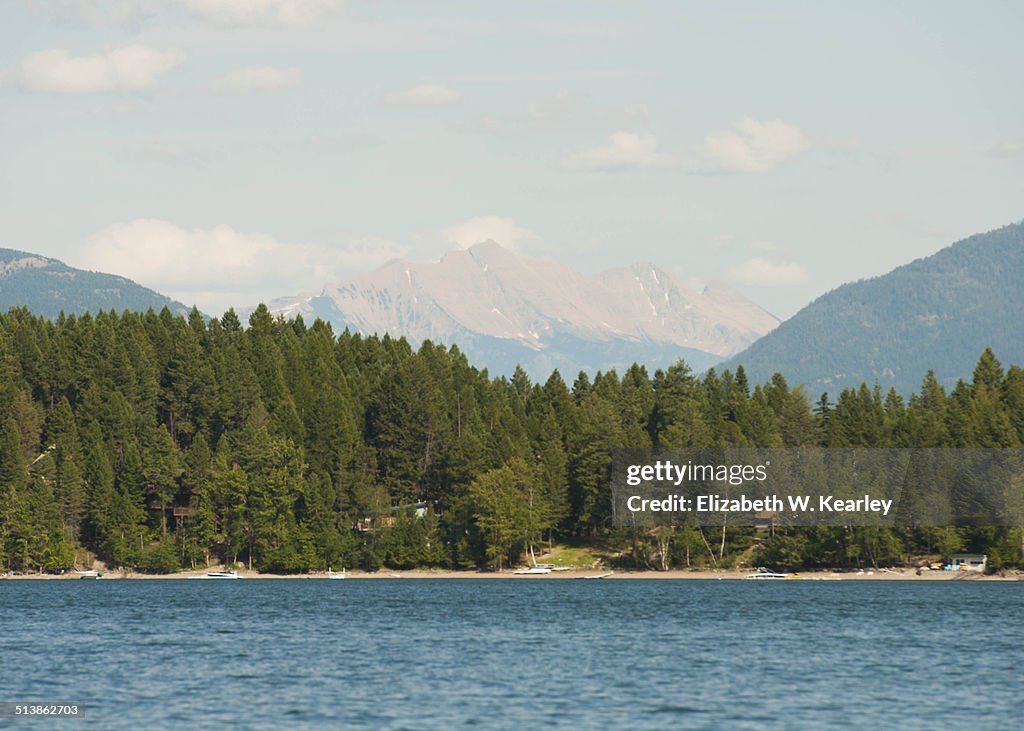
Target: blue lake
<point x="516" y="654"/>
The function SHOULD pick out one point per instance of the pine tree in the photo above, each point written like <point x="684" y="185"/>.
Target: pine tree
<point x="68" y="488"/>
<point x="554" y="463"/>
<point x="598" y="432"/>
<point x="677" y="419"/>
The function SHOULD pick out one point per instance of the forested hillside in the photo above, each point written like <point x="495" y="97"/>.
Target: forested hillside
<point x="935" y="313"/>
<point x="159" y="442"/>
<point x="48" y="287"/>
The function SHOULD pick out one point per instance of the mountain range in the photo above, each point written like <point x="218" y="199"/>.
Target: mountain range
<point x="48" y="287"/>
<point x="503" y="309"/>
<point x="937" y="313"/>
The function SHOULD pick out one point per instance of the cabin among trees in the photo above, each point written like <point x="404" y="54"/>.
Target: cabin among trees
<point x="381" y="521"/>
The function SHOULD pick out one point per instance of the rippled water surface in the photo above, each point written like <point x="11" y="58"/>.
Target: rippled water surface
<point x="517" y="654"/>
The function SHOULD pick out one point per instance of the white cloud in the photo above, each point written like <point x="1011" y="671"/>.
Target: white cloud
<point x="255" y="79"/>
<point x="499" y="229"/>
<point x="132" y="68"/>
<point x="262" y="13"/>
<point x="221" y="267"/>
<point x="424" y="95"/>
<point x="750" y="146"/>
<point x="624" y="151"/>
<point x="762" y="272"/>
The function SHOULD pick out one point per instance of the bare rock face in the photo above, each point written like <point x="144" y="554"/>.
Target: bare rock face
<point x="487" y="299"/>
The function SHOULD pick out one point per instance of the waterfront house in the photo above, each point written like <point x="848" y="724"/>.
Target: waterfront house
<point x="968" y="562"/>
<point x="377" y="521"/>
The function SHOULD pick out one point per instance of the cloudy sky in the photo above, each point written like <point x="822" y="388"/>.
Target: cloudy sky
<point x="228" y="151"/>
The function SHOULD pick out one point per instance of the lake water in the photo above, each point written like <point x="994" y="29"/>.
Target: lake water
<point x="517" y="654"/>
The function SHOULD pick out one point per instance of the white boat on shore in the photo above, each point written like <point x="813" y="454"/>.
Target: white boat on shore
<point x="767" y="575"/>
<point x="342" y="575"/>
<point x="218" y="575"/>
<point x="90" y="574"/>
<point x="533" y="570"/>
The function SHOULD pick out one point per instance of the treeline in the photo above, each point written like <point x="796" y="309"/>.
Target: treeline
<point x="159" y="442"/>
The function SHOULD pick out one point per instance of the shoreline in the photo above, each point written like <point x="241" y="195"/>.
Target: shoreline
<point x="671" y="575"/>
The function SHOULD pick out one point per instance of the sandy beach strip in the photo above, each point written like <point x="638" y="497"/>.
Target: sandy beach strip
<point x="905" y="574"/>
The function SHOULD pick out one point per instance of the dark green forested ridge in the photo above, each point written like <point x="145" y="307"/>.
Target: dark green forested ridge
<point x="159" y="442"/>
<point x="49" y="287"/>
<point x="934" y="313"/>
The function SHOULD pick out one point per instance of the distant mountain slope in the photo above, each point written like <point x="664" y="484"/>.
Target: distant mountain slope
<point x="503" y="309"/>
<point x="48" y="286"/>
<point x="939" y="312"/>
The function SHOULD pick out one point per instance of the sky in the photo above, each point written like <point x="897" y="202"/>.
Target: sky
<point x="227" y="152"/>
